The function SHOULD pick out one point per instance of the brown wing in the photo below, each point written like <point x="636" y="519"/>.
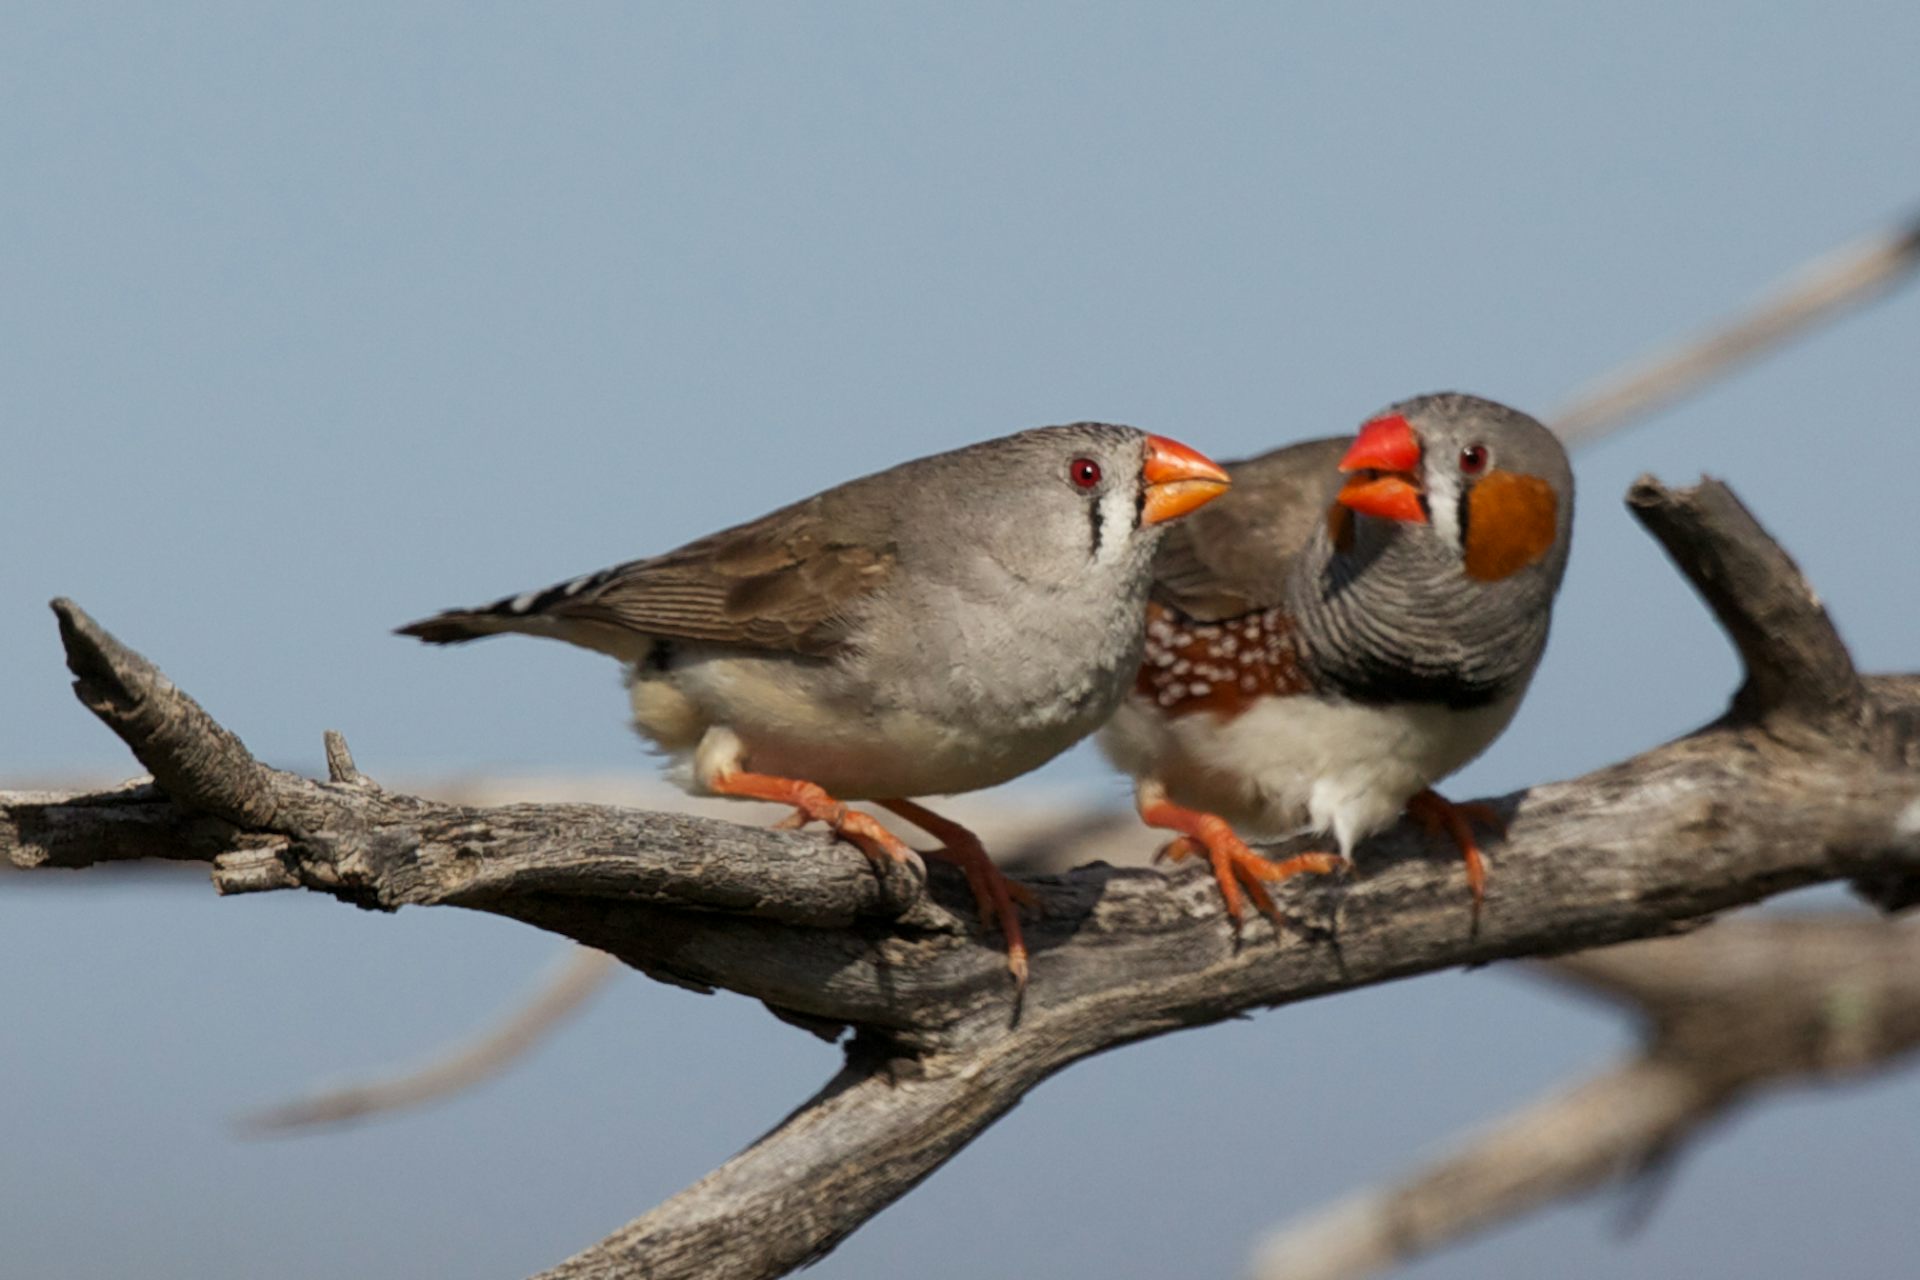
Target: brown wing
<point x="779" y="582"/>
<point x="1230" y="557"/>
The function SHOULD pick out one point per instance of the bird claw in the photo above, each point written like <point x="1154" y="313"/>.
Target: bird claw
<point x="811" y="803"/>
<point x="995" y="896"/>
<point x="1251" y="868"/>
<point x="1440" y="816"/>
<point x="1178" y="850"/>
<point x="1241" y="873"/>
<point x="865" y="832"/>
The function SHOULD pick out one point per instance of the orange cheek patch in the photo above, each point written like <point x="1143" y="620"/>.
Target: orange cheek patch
<point x="1510" y="524"/>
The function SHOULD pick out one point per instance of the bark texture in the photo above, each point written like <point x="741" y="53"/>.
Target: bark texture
<point x="1812" y="775"/>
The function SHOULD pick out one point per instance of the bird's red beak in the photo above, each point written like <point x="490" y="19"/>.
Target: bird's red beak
<point x="1384" y="460"/>
<point x="1178" y="479"/>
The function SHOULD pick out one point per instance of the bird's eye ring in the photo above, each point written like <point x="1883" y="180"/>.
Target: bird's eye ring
<point x="1473" y="459"/>
<point x="1084" y="472"/>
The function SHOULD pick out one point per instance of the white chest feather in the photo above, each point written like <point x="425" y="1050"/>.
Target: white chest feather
<point x="1304" y="763"/>
<point x="821" y="723"/>
<point x="963" y="676"/>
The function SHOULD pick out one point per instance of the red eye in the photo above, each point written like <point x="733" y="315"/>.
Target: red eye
<point x="1084" y="472"/>
<point x="1473" y="459"/>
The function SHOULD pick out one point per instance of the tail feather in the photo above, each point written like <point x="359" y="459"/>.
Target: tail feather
<point x="457" y="626"/>
<point x="509" y="613"/>
<point x="533" y="613"/>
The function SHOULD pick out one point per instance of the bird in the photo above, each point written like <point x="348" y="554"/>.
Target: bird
<point x="1357" y="618"/>
<point x="938" y="627"/>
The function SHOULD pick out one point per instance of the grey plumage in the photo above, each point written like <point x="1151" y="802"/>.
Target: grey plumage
<point x="1230" y="557"/>
<point x="1341" y="660"/>
<point x="1395" y="618"/>
<point x="935" y="627"/>
<point x="940" y="626"/>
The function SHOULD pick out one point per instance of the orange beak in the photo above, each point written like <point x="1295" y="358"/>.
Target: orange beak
<point x="1178" y="479"/>
<point x="1386" y="455"/>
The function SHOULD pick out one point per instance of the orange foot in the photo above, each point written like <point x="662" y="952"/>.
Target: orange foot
<point x="1438" y="814"/>
<point x="1235" y="866"/>
<point x="813" y="804"/>
<point x="993" y="894"/>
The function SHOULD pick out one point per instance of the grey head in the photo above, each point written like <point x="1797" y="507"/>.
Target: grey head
<point x="1431" y="575"/>
<point x="1064" y="513"/>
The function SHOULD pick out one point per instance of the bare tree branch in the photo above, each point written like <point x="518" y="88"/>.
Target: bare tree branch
<point x="580" y="972"/>
<point x="1023" y="843"/>
<point x="1850" y="276"/>
<point x="1798" y="671"/>
<point x="1730" y="1010"/>
<point x="1785" y="790"/>
<point x="1828" y="286"/>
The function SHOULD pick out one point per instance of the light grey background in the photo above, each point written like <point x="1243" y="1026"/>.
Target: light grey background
<point x="314" y="320"/>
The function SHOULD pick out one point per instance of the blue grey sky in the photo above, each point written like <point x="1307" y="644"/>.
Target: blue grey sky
<point x="313" y="320"/>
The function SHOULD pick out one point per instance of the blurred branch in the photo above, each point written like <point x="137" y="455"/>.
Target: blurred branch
<point x="580" y="972"/>
<point x="1849" y="276"/>
<point x="1809" y="777"/>
<point x="1730" y="1010"/>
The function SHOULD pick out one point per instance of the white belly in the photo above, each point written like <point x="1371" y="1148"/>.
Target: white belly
<point x="1297" y="764"/>
<point x="816" y="723"/>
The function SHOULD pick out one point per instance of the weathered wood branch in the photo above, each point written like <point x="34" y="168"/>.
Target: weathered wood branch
<point x="1748" y="1005"/>
<point x="1055" y="846"/>
<point x="1799" y="674"/>
<point x="1843" y="278"/>
<point x="1811" y="776"/>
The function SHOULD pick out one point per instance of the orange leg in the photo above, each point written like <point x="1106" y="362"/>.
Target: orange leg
<point x="812" y="804"/>
<point x="1438" y="814"/>
<point x="1235" y="866"/>
<point x="993" y="894"/>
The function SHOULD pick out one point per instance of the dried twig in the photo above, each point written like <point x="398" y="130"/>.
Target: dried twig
<point x="1846" y="277"/>
<point x="1025" y="845"/>
<point x="1849" y="276"/>
<point x="1745" y="1005"/>
<point x="1785" y="790"/>
<point x="581" y="971"/>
